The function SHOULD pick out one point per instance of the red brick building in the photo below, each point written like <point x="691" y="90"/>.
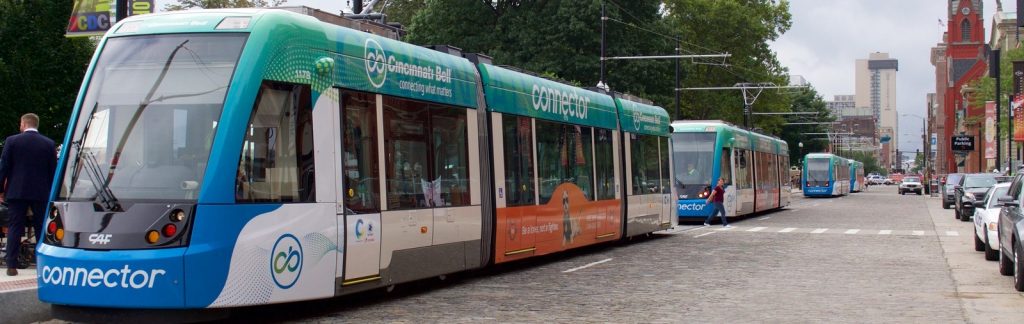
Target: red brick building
<point x="960" y="60"/>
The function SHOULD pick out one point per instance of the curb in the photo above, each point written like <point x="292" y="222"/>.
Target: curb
<point x="23" y="306"/>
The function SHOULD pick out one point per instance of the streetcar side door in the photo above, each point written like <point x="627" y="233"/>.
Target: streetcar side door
<point x="359" y="200"/>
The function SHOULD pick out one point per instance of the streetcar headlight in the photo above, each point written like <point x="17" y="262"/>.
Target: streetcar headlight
<point x="177" y="215"/>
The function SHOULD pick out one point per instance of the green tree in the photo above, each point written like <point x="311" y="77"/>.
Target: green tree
<point x="402" y="11"/>
<point x="807" y="100"/>
<point x="563" y="37"/>
<point x="40" y="69"/>
<point x="213" y="4"/>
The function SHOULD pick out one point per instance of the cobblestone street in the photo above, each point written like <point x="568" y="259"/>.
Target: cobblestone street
<point x="869" y="257"/>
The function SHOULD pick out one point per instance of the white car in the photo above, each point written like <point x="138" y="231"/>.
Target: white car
<point x="911" y="184"/>
<point x="876" y="180"/>
<point x="986" y="221"/>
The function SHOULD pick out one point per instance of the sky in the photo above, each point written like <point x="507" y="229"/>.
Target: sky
<point x="827" y="37"/>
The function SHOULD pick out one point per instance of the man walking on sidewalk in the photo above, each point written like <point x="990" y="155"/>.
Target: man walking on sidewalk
<point x="717" y="198"/>
<point x="26" y="174"/>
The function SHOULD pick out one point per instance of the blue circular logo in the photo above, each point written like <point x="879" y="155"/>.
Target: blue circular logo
<point x="286" y="261"/>
<point x="359" y="229"/>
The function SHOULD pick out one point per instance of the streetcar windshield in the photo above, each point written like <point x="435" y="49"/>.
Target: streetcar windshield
<point x="145" y="128"/>
<point x="817" y="172"/>
<point x="693" y="157"/>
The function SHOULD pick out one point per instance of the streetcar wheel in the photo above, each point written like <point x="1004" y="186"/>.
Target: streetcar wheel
<point x="1018" y="269"/>
<point x="978" y="244"/>
<point x="1005" y="265"/>
<point x="990" y="254"/>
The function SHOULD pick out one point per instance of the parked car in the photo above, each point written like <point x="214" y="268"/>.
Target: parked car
<point x="1011" y="224"/>
<point x="911" y="184"/>
<point x="972" y="187"/>
<point x="986" y="221"/>
<point x="946" y="189"/>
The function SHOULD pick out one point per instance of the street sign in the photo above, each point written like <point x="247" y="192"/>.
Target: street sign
<point x="962" y="143"/>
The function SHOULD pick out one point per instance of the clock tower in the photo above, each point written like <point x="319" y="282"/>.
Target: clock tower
<point x="965" y="62"/>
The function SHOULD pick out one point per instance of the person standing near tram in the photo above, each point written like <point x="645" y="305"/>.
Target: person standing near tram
<point x="717" y="199"/>
<point x="26" y="174"/>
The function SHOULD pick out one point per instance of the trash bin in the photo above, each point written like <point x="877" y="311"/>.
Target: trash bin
<point x="933" y="185"/>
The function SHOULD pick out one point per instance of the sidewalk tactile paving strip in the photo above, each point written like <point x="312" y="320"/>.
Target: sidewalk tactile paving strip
<point x="17" y="285"/>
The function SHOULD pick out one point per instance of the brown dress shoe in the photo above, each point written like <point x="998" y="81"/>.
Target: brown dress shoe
<point x="12" y="272"/>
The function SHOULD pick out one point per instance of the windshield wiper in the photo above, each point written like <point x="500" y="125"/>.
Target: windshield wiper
<point x="104" y="194"/>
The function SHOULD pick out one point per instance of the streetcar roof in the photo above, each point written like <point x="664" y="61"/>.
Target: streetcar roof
<point x="522" y="94"/>
<point x="343" y="57"/>
<point x="642" y="118"/>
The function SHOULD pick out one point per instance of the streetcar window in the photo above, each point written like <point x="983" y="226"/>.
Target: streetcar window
<point x="664" y="160"/>
<point x="277" y="154"/>
<point x="359" y="163"/>
<point x="605" y="164"/>
<point x="644" y="159"/>
<point x="450" y="155"/>
<point x="743" y="170"/>
<point x="426" y="155"/>
<point x="519" y="181"/>
<point x="693" y="156"/>
<point x="563" y="155"/>
<point x="726" y="166"/>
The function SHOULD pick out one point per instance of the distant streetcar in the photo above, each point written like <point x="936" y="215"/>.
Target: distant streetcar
<point x="856" y="176"/>
<point x="755" y="168"/>
<point x="826" y="175"/>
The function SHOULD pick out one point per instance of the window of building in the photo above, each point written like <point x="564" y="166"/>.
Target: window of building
<point x="359" y="143"/>
<point x="965" y="31"/>
<point x="520" y="185"/>
<point x="277" y="155"/>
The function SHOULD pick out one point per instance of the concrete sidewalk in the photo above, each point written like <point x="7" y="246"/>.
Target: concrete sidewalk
<point x="19" y="302"/>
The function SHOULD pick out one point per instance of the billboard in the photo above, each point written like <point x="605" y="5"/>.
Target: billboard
<point x="95" y="17"/>
<point x="1018" y="118"/>
<point x="962" y="143"/>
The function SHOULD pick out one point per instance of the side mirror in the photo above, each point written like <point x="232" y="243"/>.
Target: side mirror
<point x="979" y="204"/>
<point x="1008" y="201"/>
<point x="956" y="187"/>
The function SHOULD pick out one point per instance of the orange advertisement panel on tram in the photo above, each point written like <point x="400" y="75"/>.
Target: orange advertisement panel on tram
<point x="568" y="220"/>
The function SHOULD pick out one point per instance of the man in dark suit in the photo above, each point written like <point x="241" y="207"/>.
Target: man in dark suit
<point x="26" y="174"/>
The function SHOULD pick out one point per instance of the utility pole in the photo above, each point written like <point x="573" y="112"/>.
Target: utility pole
<point x="604" y="17"/>
<point x="994" y="72"/>
<point x="121" y="6"/>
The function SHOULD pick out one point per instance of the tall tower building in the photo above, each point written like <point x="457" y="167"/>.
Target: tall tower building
<point x="876" y="88"/>
<point x="962" y="60"/>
